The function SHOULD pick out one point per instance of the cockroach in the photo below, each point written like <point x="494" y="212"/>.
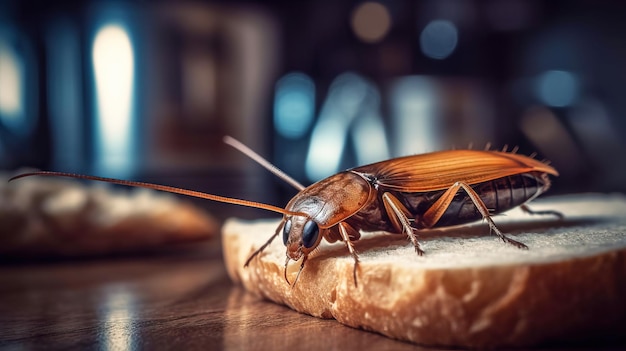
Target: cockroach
<point x="402" y="195"/>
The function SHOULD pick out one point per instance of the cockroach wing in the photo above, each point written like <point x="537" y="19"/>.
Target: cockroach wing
<point x="440" y="170"/>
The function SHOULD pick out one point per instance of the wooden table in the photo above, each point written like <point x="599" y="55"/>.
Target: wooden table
<point x="181" y="300"/>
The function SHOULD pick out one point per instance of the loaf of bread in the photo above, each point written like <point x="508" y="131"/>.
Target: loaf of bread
<point x="50" y="217"/>
<point x="470" y="289"/>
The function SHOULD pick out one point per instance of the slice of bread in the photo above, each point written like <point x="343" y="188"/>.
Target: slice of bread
<point x="470" y="289"/>
<point x="52" y="217"/>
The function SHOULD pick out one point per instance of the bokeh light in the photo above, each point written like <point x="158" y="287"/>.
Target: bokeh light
<point x="294" y="105"/>
<point x="352" y="108"/>
<point x="557" y="88"/>
<point x="371" y="21"/>
<point x="113" y="62"/>
<point x="439" y="39"/>
<point x="11" y="87"/>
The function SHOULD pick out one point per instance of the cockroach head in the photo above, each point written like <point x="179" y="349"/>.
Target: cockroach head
<point x="301" y="235"/>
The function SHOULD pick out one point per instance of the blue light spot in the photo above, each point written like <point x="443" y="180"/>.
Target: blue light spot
<point x="557" y="88"/>
<point x="294" y="105"/>
<point x="114" y="71"/>
<point x="352" y="107"/>
<point x="439" y="39"/>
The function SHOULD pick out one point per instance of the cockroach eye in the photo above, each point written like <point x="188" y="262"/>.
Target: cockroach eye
<point x="286" y="230"/>
<point x="309" y="234"/>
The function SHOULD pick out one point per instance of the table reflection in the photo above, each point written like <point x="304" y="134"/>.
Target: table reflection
<point x="117" y="319"/>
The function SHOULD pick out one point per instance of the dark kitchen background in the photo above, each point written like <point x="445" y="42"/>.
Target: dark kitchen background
<point x="146" y="90"/>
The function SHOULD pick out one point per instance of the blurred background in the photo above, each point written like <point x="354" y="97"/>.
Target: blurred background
<point x="146" y="90"/>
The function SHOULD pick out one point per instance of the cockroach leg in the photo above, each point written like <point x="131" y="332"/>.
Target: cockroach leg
<point x="527" y="209"/>
<point x="346" y="238"/>
<point x="506" y="239"/>
<point x="434" y="213"/>
<point x="398" y="216"/>
<point x="267" y="243"/>
<point x="482" y="208"/>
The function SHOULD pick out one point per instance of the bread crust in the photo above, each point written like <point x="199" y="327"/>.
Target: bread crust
<point x="466" y="291"/>
<point x="48" y="218"/>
